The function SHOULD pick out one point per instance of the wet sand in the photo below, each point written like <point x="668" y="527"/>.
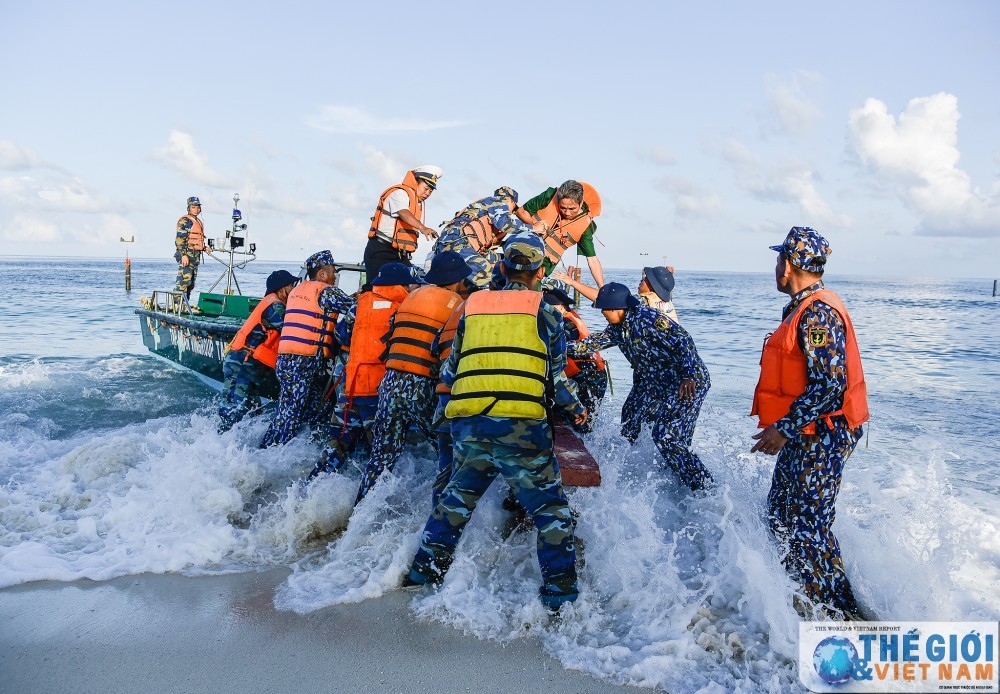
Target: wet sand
<point x="168" y="633"/>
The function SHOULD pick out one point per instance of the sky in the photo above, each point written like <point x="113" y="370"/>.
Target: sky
<point x="708" y="128"/>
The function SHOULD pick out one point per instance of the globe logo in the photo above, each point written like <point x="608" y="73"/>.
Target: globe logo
<point x="834" y="659"/>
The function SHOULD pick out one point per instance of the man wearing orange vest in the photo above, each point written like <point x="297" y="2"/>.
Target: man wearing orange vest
<point x="399" y="219"/>
<point x="811" y="403"/>
<point x="189" y="244"/>
<point x="363" y="331"/>
<point x="252" y="354"/>
<point x="406" y="394"/>
<point x="306" y="352"/>
<point x="505" y="371"/>
<point x="566" y="215"/>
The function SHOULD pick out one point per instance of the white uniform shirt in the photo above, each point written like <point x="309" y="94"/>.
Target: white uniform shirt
<point x="397" y="201"/>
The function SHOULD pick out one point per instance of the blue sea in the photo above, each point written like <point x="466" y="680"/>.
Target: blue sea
<point x="111" y="466"/>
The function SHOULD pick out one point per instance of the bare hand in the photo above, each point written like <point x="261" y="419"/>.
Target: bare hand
<point x="539" y="228"/>
<point x="686" y="390"/>
<point x="429" y="233"/>
<point x="580" y="419"/>
<point x="184" y="261"/>
<point x="562" y="276"/>
<point x="770" y="441"/>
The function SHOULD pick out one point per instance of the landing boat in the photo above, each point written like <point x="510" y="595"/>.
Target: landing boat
<point x="196" y="337"/>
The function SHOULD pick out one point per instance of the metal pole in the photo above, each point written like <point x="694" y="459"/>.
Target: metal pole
<point x="128" y="263"/>
<point x="996" y="287"/>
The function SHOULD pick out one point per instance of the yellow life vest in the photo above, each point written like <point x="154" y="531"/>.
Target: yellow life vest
<point x="503" y="367"/>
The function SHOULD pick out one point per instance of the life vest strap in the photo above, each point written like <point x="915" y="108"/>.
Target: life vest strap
<point x="500" y="372"/>
<point x="428" y="363"/>
<point x="505" y="350"/>
<point x="499" y="395"/>
<point x="416" y="326"/>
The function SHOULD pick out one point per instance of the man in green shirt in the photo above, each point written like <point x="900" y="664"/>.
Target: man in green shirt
<point x="566" y="215"/>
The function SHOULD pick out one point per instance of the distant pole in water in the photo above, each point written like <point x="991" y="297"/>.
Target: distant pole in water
<point x="128" y="263"/>
<point x="996" y="287"/>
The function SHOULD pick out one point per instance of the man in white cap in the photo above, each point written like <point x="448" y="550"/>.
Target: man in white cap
<point x="399" y="219"/>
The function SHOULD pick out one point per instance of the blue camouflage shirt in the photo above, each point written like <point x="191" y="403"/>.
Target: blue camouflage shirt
<point x="523" y="433"/>
<point x="494" y="208"/>
<point x="657" y="348"/>
<point x="826" y="370"/>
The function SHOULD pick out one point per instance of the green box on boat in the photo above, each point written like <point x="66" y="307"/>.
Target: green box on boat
<point x="231" y="305"/>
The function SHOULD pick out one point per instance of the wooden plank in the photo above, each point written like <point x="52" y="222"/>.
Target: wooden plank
<point x="578" y="466"/>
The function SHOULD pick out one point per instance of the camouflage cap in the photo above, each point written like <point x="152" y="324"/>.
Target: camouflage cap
<point x="524" y="244"/>
<point x="318" y="260"/>
<point x="506" y="192"/>
<point x="193" y="201"/>
<point x="805" y="249"/>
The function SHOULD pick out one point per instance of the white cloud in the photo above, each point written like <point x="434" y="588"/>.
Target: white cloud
<point x="349" y="119"/>
<point x="918" y="153"/>
<point x="793" y="182"/>
<point x="63" y="194"/>
<point x="738" y="154"/>
<point x="181" y="155"/>
<point x="657" y="155"/>
<point x="793" y="101"/>
<point x="24" y="229"/>
<point x="691" y="202"/>
<point x="14" y="158"/>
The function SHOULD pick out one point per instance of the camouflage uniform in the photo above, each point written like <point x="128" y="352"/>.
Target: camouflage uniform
<point x="245" y="377"/>
<point x="808" y="469"/>
<point x="303" y="380"/>
<point x="452" y="238"/>
<point x="662" y="354"/>
<point x="521" y="451"/>
<point x="186" y="275"/>
<point x="404" y="400"/>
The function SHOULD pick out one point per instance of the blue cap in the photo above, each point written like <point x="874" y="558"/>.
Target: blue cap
<point x="525" y="244"/>
<point x="194" y="201"/>
<point x="615" y="295"/>
<point x="554" y="296"/>
<point x="318" y="260"/>
<point x="394" y="273"/>
<point x="279" y="279"/>
<point x="805" y="249"/>
<point x="661" y="281"/>
<point x="447" y="267"/>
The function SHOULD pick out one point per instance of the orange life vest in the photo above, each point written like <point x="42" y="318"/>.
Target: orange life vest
<point x="481" y="232"/>
<point x="365" y="367"/>
<point x="564" y="233"/>
<point x="196" y="236"/>
<point x="783" y="375"/>
<point x="307" y="330"/>
<point x="267" y="351"/>
<point x="572" y="364"/>
<point x="404" y="237"/>
<point x="445" y="338"/>
<point x="418" y="321"/>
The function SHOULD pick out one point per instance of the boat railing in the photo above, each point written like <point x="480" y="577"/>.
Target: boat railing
<point x="168" y="301"/>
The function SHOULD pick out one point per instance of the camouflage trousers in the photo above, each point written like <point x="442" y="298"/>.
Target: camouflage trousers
<point x="801" y="511"/>
<point x="244" y="380"/>
<point x="353" y="420"/>
<point x="302" y="400"/>
<point x="673" y="421"/>
<point x="404" y="400"/>
<point x="186" y="276"/>
<point x="534" y="477"/>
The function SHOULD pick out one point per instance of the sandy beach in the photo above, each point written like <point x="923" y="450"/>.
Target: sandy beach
<point x="169" y="633"/>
